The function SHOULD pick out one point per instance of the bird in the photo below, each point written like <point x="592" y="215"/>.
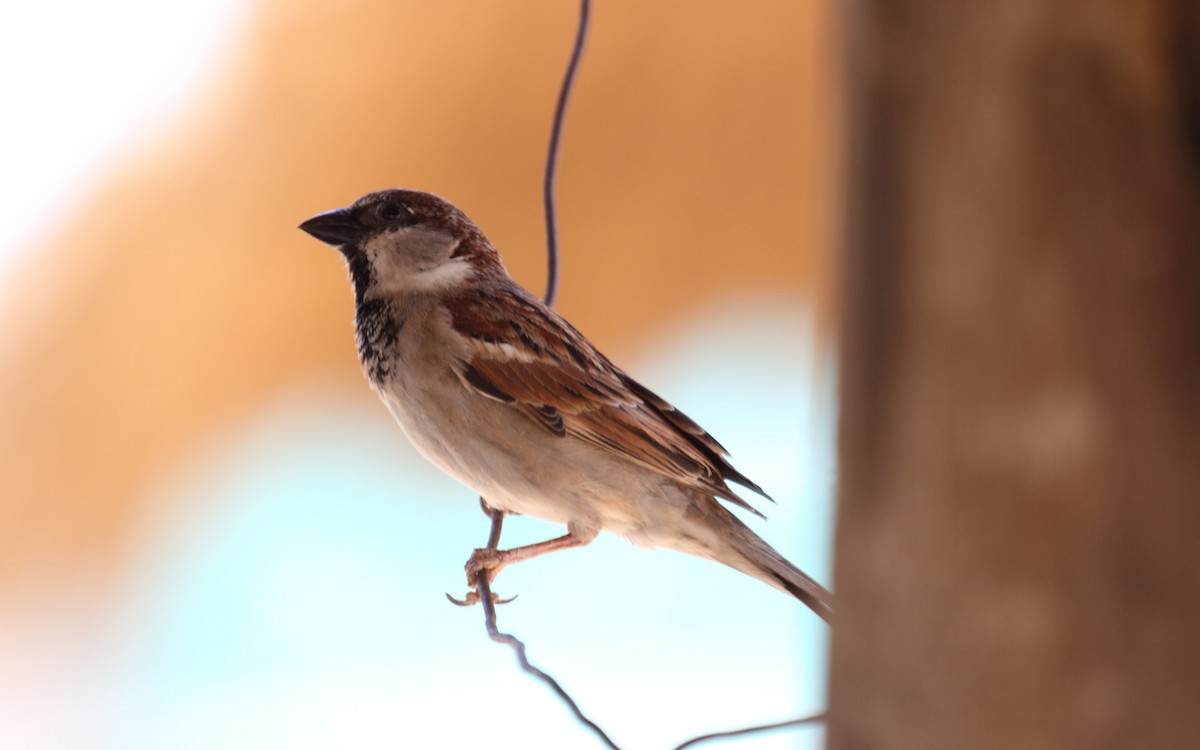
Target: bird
<point x="500" y="392"/>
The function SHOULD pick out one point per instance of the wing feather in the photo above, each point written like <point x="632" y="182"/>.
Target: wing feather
<point x="538" y="363"/>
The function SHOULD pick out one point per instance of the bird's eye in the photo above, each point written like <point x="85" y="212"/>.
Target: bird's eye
<point x="391" y="211"/>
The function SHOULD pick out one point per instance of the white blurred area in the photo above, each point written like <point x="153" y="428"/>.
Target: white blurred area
<point x="83" y="82"/>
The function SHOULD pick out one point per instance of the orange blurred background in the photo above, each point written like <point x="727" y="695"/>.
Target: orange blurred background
<point x="151" y="325"/>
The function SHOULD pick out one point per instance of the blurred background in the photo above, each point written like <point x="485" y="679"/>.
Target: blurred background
<point x="212" y="535"/>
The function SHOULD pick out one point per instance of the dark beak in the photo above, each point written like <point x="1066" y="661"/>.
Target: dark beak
<point x="334" y="227"/>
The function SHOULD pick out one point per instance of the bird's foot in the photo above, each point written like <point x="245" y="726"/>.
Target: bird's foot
<point x="487" y="562"/>
<point x="484" y="560"/>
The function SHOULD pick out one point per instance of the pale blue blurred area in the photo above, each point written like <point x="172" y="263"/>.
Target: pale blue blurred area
<point x="290" y="593"/>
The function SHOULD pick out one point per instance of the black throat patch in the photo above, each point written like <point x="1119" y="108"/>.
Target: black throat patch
<point x="361" y="276"/>
<point x="376" y="327"/>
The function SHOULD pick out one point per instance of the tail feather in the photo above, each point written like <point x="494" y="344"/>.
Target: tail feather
<point x="797" y="583"/>
<point x="735" y="545"/>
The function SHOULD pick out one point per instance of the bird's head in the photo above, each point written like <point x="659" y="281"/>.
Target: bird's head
<point x="406" y="241"/>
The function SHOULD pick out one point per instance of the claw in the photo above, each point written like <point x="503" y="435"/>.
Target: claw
<point x="472" y="598"/>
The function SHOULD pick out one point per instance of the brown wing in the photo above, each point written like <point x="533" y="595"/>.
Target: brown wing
<point x="538" y="363"/>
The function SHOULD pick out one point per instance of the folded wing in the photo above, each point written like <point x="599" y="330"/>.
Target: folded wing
<point x="539" y="364"/>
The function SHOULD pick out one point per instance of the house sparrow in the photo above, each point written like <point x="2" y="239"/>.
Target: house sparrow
<point x="504" y="395"/>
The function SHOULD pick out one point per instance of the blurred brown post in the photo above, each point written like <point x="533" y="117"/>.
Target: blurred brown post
<point x="1018" y="548"/>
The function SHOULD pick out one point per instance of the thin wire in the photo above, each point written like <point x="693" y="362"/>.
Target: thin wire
<point x="497" y="516"/>
<point x="752" y="730"/>
<point x="560" y="112"/>
<point x="518" y="647"/>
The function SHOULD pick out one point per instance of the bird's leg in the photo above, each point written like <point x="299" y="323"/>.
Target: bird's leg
<point x="497" y="515"/>
<point x="489" y="560"/>
<point x="487" y="509"/>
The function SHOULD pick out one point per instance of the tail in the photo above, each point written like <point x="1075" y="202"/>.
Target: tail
<point x="731" y="542"/>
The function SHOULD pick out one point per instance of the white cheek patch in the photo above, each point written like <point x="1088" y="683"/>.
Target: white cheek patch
<point x="454" y="272"/>
<point x="416" y="259"/>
